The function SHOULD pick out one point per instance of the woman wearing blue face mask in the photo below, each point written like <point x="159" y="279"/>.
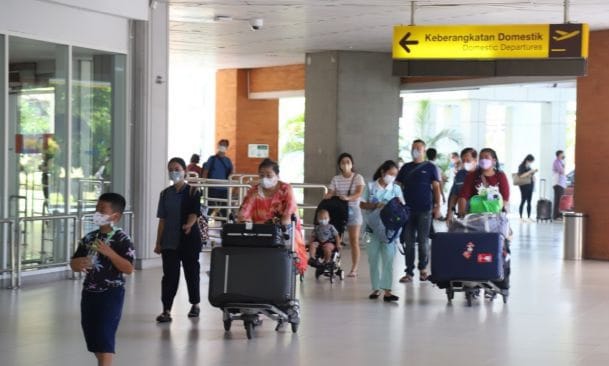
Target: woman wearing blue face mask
<point x="380" y="253"/>
<point x="178" y="239"/>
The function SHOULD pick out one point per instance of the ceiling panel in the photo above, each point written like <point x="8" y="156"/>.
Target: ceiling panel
<point x="295" y="27"/>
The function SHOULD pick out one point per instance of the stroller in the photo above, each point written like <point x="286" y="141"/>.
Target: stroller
<point x="253" y="274"/>
<point x="339" y="214"/>
<point x="473" y="256"/>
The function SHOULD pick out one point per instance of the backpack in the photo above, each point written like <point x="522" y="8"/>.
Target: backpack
<point x="394" y="216"/>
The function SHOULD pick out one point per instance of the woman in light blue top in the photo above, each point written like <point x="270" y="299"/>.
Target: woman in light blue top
<point x="381" y="253"/>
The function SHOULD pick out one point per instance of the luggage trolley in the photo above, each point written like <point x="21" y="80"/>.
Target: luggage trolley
<point x="247" y="281"/>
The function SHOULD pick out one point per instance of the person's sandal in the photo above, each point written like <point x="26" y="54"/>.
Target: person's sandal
<point x="164" y="317"/>
<point x="194" y="312"/>
<point x="390" y="298"/>
<point x="406" y="279"/>
<point x="423" y="275"/>
<point x="352" y="274"/>
<point x="374" y="295"/>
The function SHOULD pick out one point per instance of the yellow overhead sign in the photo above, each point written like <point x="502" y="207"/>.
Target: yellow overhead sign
<point x="490" y="41"/>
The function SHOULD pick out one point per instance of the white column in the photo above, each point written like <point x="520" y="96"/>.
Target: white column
<point x="150" y="110"/>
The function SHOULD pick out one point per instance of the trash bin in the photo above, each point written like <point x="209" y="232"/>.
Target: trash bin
<point x="574" y="231"/>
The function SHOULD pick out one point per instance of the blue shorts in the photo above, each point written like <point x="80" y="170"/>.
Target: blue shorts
<point x="100" y="313"/>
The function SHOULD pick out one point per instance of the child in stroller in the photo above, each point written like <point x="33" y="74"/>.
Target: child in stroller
<point x="324" y="247"/>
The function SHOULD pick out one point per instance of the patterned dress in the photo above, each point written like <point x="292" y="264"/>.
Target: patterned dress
<point x="280" y="206"/>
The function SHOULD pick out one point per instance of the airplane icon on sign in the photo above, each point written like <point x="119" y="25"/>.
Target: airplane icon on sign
<point x="562" y="35"/>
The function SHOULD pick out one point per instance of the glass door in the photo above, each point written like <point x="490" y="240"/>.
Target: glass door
<point x="38" y="147"/>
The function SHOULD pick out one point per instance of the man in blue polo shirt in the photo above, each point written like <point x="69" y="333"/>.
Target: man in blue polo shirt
<point x="421" y="186"/>
<point x="218" y="166"/>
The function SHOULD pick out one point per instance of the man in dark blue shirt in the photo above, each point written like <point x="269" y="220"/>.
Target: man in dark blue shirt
<point x="421" y="186"/>
<point x="218" y="166"/>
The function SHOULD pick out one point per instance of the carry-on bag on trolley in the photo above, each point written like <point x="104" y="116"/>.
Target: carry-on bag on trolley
<point x="248" y="235"/>
<point x="469" y="262"/>
<point x="544" y="205"/>
<point x="467" y="256"/>
<point x="251" y="275"/>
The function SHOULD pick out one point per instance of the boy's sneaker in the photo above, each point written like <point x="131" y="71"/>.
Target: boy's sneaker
<point x="164" y="317"/>
<point x="194" y="312"/>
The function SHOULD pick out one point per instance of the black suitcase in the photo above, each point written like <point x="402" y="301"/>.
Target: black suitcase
<point x="544" y="205"/>
<point x="256" y="235"/>
<point x="251" y="276"/>
<point x="467" y="256"/>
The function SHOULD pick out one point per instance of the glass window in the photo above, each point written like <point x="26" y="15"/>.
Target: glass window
<point x="98" y="125"/>
<point x="38" y="109"/>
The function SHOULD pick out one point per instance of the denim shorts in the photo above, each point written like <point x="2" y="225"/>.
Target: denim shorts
<point x="355" y="216"/>
<point x="100" y="314"/>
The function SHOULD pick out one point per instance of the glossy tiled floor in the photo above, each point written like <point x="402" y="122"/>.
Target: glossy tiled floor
<point x="557" y="315"/>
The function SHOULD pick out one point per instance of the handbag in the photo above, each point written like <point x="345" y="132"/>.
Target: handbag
<point x="521" y="181"/>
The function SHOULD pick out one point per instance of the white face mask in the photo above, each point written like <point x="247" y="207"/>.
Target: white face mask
<point x="346" y="167"/>
<point x="100" y="219"/>
<point x="388" y="179"/>
<point x="486" y="163"/>
<point x="268" y="183"/>
<point x="469" y="166"/>
<point x="176" y="176"/>
<point x="324" y="222"/>
<point x="416" y="154"/>
<point x="222" y="148"/>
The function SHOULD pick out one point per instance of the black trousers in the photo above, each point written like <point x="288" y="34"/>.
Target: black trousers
<point x="188" y="256"/>
<point x="558" y="192"/>
<point x="526" y="194"/>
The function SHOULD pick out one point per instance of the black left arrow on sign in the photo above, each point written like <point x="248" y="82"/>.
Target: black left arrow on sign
<point x="404" y="42"/>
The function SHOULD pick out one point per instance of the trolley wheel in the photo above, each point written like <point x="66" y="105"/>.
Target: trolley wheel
<point x="341" y="274"/>
<point x="279" y="326"/>
<point x="469" y="296"/>
<point x="505" y="298"/>
<point x="295" y="327"/>
<point x="227" y="324"/>
<point x="249" y="328"/>
<point x="318" y="272"/>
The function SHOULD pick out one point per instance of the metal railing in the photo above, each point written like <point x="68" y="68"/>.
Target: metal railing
<point x="309" y="206"/>
<point x="7" y="248"/>
<point x="227" y="204"/>
<point x="16" y="257"/>
<point x="14" y="241"/>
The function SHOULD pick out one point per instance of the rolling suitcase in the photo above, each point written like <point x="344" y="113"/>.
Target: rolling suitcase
<point x="250" y="276"/>
<point x="544" y="205"/>
<point x="252" y="235"/>
<point x="467" y="257"/>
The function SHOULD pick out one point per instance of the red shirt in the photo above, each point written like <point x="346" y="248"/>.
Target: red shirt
<point x="195" y="168"/>
<point x="473" y="180"/>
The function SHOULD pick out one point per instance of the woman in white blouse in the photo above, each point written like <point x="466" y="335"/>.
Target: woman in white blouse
<point x="349" y="186"/>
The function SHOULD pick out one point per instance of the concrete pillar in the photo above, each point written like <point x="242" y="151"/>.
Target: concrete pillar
<point x="352" y="105"/>
<point x="150" y="111"/>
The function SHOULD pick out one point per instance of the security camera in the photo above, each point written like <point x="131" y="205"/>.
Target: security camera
<point x="256" y="23"/>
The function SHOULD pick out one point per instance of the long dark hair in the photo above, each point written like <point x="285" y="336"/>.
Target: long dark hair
<point x="388" y="164"/>
<point x="493" y="154"/>
<point x="341" y="157"/>
<point x="529" y="157"/>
